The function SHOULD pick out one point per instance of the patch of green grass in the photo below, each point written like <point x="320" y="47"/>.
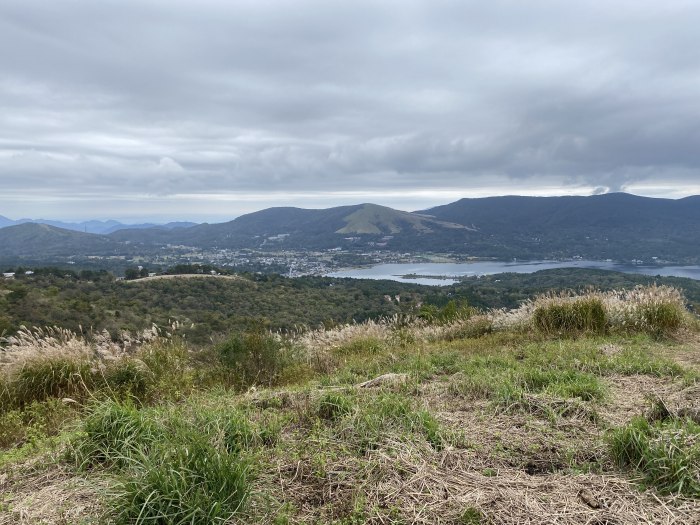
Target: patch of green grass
<point x="471" y="516"/>
<point x="561" y="383"/>
<point x="234" y="429"/>
<point x="642" y="361"/>
<point x="173" y="466"/>
<point x="188" y="481"/>
<point x="666" y="452"/>
<point x="388" y="415"/>
<point x="502" y="377"/>
<point x="362" y="346"/>
<point x="637" y="355"/>
<point x="333" y="406"/>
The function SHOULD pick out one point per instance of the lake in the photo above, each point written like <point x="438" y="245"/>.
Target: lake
<point x="438" y="274"/>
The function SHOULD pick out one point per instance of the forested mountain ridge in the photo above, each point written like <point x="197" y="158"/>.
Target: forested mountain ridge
<point x="614" y="226"/>
<point x="502" y="215"/>
<point x="297" y="228"/>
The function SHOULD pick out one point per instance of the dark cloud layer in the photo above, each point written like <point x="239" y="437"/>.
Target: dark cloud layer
<point x="144" y="108"/>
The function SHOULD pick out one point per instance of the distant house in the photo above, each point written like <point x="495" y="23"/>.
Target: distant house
<point x="9" y="275"/>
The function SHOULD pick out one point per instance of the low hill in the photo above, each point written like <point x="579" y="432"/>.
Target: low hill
<point x="30" y="240"/>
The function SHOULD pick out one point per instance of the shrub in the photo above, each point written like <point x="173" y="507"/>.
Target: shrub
<point x="666" y="452"/>
<point x="36" y="421"/>
<point x="257" y="357"/>
<point x="130" y="378"/>
<point x="562" y="316"/>
<point x="449" y="313"/>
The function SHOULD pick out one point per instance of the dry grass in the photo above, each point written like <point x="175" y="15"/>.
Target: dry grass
<point x="29" y="345"/>
<point x="403" y="483"/>
<point x="43" y="491"/>
<point x="440" y="490"/>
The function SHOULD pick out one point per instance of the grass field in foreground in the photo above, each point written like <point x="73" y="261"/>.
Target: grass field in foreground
<point x="463" y="418"/>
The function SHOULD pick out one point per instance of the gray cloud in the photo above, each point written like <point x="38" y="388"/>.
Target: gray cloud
<point x="116" y="102"/>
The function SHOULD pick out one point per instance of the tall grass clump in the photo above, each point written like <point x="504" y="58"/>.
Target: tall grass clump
<point x="570" y="316"/>
<point x="654" y="310"/>
<point x="52" y="363"/>
<point x="666" y="453"/>
<point x="116" y="434"/>
<point x="56" y="377"/>
<point x="43" y="363"/>
<point x="191" y="482"/>
<point x="168" y="468"/>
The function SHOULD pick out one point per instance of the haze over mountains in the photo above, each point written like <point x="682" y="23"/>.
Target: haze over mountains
<point x="616" y="226"/>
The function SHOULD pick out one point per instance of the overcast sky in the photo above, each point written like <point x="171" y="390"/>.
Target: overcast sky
<point x="204" y="110"/>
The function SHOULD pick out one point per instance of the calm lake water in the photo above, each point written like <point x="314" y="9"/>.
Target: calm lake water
<point x="396" y="272"/>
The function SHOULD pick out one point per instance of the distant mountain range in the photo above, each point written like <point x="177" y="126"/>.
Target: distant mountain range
<point x="617" y="226"/>
<point x="101" y="227"/>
